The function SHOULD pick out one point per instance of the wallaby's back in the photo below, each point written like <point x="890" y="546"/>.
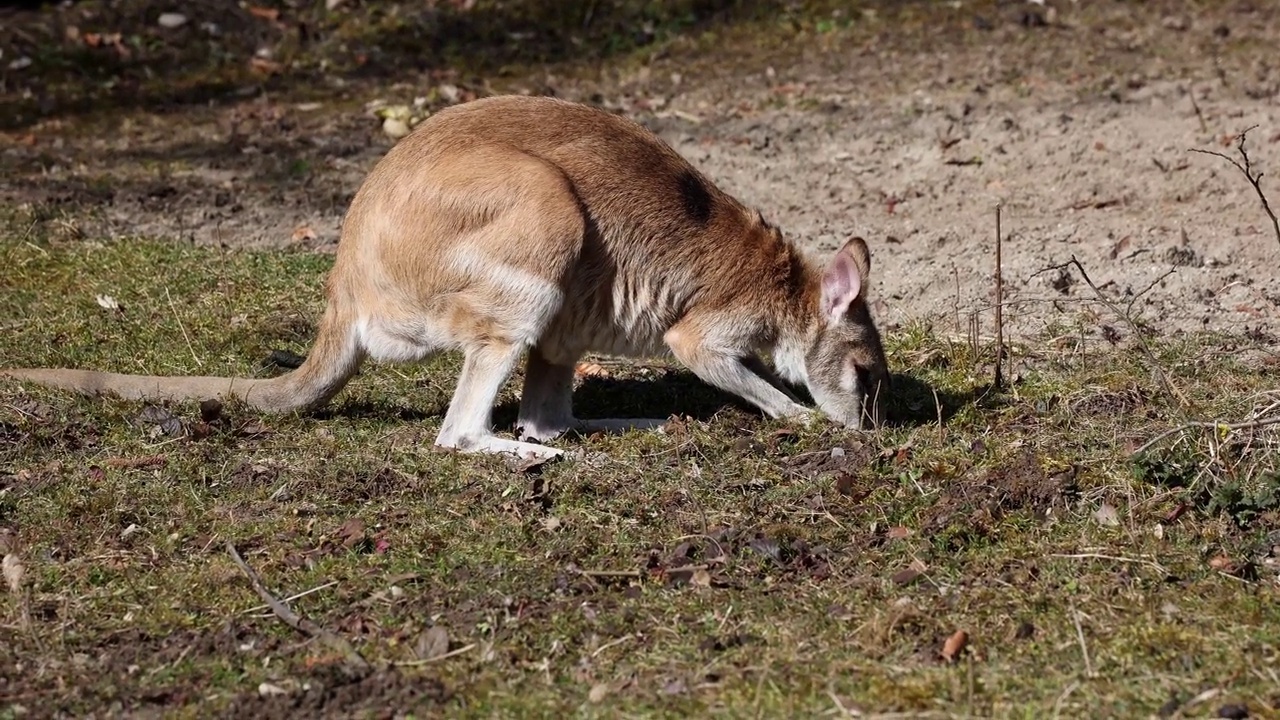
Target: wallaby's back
<point x="656" y="234"/>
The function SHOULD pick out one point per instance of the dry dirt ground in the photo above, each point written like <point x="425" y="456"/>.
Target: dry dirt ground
<point x="907" y="126"/>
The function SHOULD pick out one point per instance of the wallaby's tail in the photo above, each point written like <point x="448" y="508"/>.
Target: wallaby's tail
<point x="334" y="358"/>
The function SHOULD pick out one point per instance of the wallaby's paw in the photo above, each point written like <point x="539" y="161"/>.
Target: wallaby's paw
<point x="495" y="445"/>
<point x="534" y="430"/>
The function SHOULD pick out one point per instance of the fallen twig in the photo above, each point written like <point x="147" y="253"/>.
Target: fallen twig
<point x="611" y="643"/>
<point x="1084" y="648"/>
<point x="291" y="598"/>
<point x="1254" y="179"/>
<point x="354" y="660"/>
<point x="183" y="328"/>
<point x="146" y="461"/>
<point x="1229" y="427"/>
<point x="611" y="573"/>
<point x="436" y="659"/>
<point x="1114" y="558"/>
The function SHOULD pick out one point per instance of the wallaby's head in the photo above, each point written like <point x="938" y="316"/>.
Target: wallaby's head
<point x="845" y="367"/>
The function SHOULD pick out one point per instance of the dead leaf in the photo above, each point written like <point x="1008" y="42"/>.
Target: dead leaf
<point x="1121" y="245"/>
<point x="912" y="572"/>
<point x="265" y="13"/>
<point x="845" y="483"/>
<point x="528" y="465"/>
<point x="1106" y="515"/>
<point x="351" y="533"/>
<point x="432" y="644"/>
<point x="905" y="577"/>
<point x="898" y="533"/>
<point x="598" y="692"/>
<point x="304" y="233"/>
<point x="265" y="66"/>
<point x="955" y="645"/>
<point x="1222" y="563"/>
<point x="590" y="369"/>
<point x="700" y="578"/>
<point x="1177" y="512"/>
<point x="253" y="429"/>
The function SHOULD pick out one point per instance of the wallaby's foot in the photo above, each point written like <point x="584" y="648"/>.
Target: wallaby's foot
<point x="543" y="428"/>
<point x="496" y="445"/>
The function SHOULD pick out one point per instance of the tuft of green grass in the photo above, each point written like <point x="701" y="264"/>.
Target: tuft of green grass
<point x="731" y="565"/>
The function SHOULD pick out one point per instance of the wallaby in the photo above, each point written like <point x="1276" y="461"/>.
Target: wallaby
<point x="517" y="223"/>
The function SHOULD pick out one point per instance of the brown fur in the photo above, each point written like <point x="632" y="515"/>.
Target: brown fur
<point x="512" y="224"/>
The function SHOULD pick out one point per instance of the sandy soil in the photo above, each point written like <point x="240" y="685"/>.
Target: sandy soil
<point x="1078" y="121"/>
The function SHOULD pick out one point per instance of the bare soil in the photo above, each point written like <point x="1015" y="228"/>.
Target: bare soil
<point x="908" y="127"/>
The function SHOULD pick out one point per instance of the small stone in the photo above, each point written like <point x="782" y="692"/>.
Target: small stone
<point x="267" y="689"/>
<point x="1175" y="22"/>
<point x="172" y="20"/>
<point x="395" y="128"/>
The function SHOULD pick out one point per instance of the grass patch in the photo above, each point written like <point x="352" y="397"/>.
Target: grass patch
<point x="733" y="566"/>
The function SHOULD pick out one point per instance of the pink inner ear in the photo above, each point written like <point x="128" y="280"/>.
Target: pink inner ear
<point x="841" y="284"/>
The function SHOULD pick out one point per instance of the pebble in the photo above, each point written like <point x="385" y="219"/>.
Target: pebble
<point x="172" y="20"/>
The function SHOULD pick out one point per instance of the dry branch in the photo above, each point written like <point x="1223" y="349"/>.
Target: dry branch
<point x="1253" y="424"/>
<point x="1126" y="315"/>
<point x="354" y="661"/>
<point x="999" y="378"/>
<point x="1254" y="179"/>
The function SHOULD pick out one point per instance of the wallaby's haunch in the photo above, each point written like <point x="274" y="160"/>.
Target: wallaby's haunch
<point x="516" y="223"/>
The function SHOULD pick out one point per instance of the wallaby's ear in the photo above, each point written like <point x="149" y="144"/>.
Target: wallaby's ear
<point x="844" y="278"/>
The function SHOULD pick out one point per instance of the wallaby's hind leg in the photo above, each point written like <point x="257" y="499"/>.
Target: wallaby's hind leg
<point x="468" y="425"/>
<point x="546" y="405"/>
